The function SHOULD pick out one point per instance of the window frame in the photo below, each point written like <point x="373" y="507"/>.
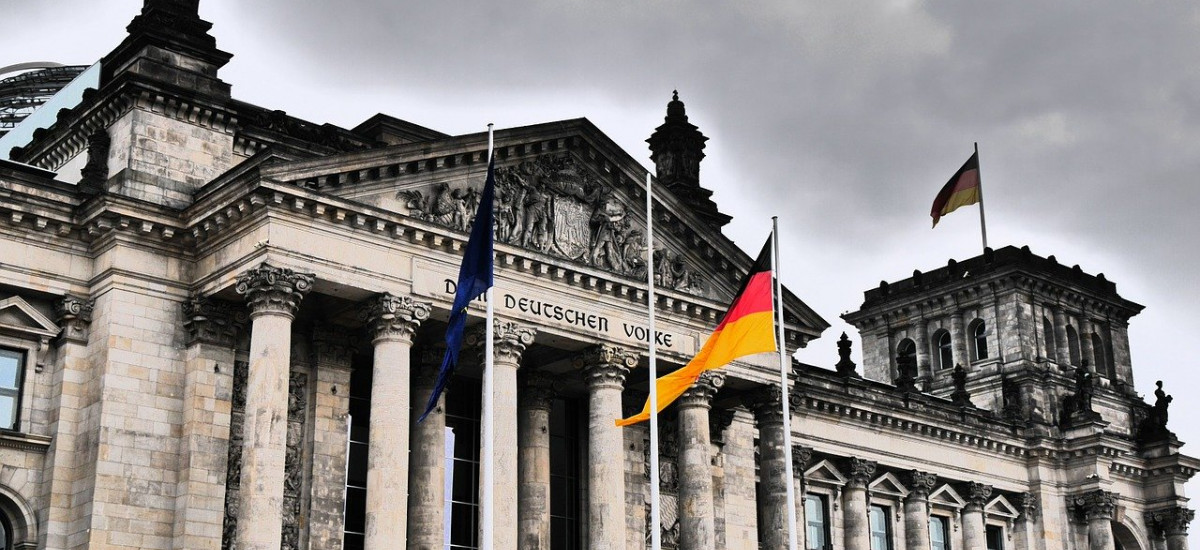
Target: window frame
<point x="978" y="332"/>
<point x="944" y="531"/>
<point x="943" y="353"/>
<point x="17" y="392"/>
<point x="885" y="513"/>
<point x="988" y="529"/>
<point x="826" y="520"/>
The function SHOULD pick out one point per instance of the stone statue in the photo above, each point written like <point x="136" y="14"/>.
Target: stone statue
<point x="906" y="365"/>
<point x="1161" y="402"/>
<point x="1154" y="427"/>
<point x="1084" y="389"/>
<point x="961" y="396"/>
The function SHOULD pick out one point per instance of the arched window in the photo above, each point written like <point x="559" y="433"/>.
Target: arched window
<point x="979" y="347"/>
<point x="5" y="533"/>
<point x="907" y="348"/>
<point x="1048" y="338"/>
<point x="1073" y="344"/>
<point x="944" y="356"/>
<point x="1103" y="365"/>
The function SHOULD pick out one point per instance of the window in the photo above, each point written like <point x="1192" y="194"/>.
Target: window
<point x="462" y="464"/>
<point x="979" y="346"/>
<point x="880" y="528"/>
<point x="1073" y="345"/>
<point x="816" y="520"/>
<point x="11" y="367"/>
<point x="1102" y="364"/>
<point x="945" y="350"/>
<point x="564" y="475"/>
<point x="995" y="537"/>
<point x="1048" y="338"/>
<point x="355" y="525"/>
<point x="906" y="348"/>
<point x="5" y="544"/>
<point x="939" y="533"/>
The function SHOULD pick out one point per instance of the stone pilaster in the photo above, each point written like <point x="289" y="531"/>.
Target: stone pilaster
<point x="922" y="341"/>
<point x="332" y="352"/>
<point x="68" y="379"/>
<point x="1096" y="507"/>
<point x="1086" y="353"/>
<point x="604" y="371"/>
<point x="510" y="341"/>
<point x="958" y="340"/>
<point x="854" y="503"/>
<point x="207" y="405"/>
<point x="1024" y="528"/>
<point x="537" y="396"/>
<point x="697" y="529"/>
<point x="393" y="322"/>
<point x="1171" y="523"/>
<point x="767" y="405"/>
<point x="974" y="533"/>
<point x="800" y="457"/>
<point x="1062" y="352"/>
<point x="427" y="460"/>
<point x="273" y="295"/>
<point x="916" y="510"/>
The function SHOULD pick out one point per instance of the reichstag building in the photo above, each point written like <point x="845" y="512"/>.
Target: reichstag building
<point x="217" y="322"/>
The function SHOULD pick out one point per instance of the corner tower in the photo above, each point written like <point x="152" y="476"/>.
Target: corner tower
<point x="676" y="148"/>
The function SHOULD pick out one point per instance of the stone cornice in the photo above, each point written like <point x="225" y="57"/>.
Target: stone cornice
<point x="24" y="441"/>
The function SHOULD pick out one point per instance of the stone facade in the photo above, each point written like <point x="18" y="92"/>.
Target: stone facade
<point x="225" y="321"/>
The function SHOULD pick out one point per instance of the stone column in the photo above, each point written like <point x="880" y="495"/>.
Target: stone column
<point x="767" y="405"/>
<point x="922" y="341"/>
<point x="393" y="322"/>
<point x="1097" y="508"/>
<point x="1024" y="530"/>
<point x="332" y="354"/>
<point x="70" y="391"/>
<point x="958" y="340"/>
<point x="1085" y="345"/>
<point x="273" y="295"/>
<point x="427" y="459"/>
<point x="537" y="394"/>
<point x="854" y="504"/>
<point x="509" y="343"/>
<point x="697" y="530"/>
<point x="800" y="457"/>
<point x="1173" y="524"/>
<point x="604" y="370"/>
<point x="974" y="533"/>
<point x="207" y="403"/>
<point x="1062" y="351"/>
<point x="916" y="510"/>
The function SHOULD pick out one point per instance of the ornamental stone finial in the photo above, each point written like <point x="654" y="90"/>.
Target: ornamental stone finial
<point x="393" y="317"/>
<point x="273" y="290"/>
<point x="845" y="367"/>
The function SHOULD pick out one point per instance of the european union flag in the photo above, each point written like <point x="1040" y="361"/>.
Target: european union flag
<point x="474" y="278"/>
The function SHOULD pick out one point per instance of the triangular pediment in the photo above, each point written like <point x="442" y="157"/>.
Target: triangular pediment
<point x="824" y="472"/>
<point x="17" y="315"/>
<point x="947" y="496"/>
<point x="888" y="485"/>
<point x="1000" y="506"/>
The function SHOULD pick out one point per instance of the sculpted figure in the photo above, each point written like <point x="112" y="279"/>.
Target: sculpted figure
<point x="444" y="205"/>
<point x="1159" y="414"/>
<point x="537" y="220"/>
<point x="608" y="224"/>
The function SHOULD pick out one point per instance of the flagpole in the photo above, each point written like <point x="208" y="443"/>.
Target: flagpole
<point x="979" y="170"/>
<point x="488" y="475"/>
<point x="655" y="517"/>
<point x="783" y="383"/>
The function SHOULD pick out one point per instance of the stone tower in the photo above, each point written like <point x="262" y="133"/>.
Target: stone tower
<point x="676" y="148"/>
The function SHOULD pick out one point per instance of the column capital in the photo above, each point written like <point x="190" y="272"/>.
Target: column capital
<point x="977" y="495"/>
<point x="859" y="471"/>
<point x="537" y="390"/>
<point x="212" y="321"/>
<point x="74" y="314"/>
<point x="800" y="457"/>
<point x="920" y="484"/>
<point x="1170" y="521"/>
<point x="510" y="340"/>
<point x="702" y="392"/>
<point x="766" y="403"/>
<point x="606" y="366"/>
<point x="1029" y="506"/>
<point x="1097" y="504"/>
<point x="391" y="317"/>
<point x="273" y="290"/>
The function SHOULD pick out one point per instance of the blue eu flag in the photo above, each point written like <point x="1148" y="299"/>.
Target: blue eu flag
<point x="474" y="278"/>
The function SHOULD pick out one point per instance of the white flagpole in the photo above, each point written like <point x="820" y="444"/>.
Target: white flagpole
<point x="783" y="383"/>
<point x="979" y="171"/>
<point x="655" y="515"/>
<point x="488" y="460"/>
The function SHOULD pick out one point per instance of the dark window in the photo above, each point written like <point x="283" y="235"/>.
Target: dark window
<point x="1102" y="364"/>
<point x="906" y="348"/>
<point x="462" y="463"/>
<point x="945" y="351"/>
<point x="880" y="528"/>
<point x="979" y="348"/>
<point x="816" y="520"/>
<point x="564" y="475"/>
<point x="995" y="537"/>
<point x="939" y="533"/>
<point x="1048" y="337"/>
<point x="356" y="460"/>
<point x="1073" y="345"/>
<point x="5" y="529"/>
<point x="11" y="367"/>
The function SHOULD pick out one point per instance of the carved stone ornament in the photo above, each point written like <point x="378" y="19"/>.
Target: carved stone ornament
<point x="212" y="321"/>
<point x="766" y="403"/>
<point x="800" y="457"/>
<point x="961" y="397"/>
<point x="906" y="366"/>
<point x="293" y="481"/>
<point x="606" y="365"/>
<point x="241" y="371"/>
<point x="537" y="390"/>
<point x="859" y="471"/>
<point x="1097" y="504"/>
<point x="74" y="314"/>
<point x="393" y="317"/>
<point x="920" y="484"/>
<point x="509" y="341"/>
<point x="270" y="289"/>
<point x="702" y="392"/>
<point x="1171" y="521"/>
<point x="845" y="367"/>
<point x="554" y="206"/>
<point x="1029" y="506"/>
<point x="977" y="494"/>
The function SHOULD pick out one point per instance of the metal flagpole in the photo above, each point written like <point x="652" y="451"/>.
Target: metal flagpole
<point x="979" y="171"/>
<point x="655" y="517"/>
<point x="783" y="383"/>
<point x="488" y="475"/>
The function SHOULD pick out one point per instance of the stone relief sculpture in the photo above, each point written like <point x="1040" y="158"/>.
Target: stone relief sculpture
<point x="551" y="205"/>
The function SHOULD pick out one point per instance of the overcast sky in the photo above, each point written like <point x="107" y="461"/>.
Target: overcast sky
<point x="843" y="118"/>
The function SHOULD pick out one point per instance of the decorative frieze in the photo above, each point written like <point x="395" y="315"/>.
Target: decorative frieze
<point x="395" y="317"/>
<point x="270" y="289"/>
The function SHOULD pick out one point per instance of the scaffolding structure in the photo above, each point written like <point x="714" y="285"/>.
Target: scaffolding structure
<point x="22" y="94"/>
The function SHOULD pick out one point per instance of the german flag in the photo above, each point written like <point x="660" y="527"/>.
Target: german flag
<point x="747" y="328"/>
<point x="961" y="190"/>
